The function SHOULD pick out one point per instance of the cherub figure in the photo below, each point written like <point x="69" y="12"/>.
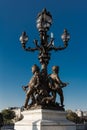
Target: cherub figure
<point x="57" y="84"/>
<point x="32" y="86"/>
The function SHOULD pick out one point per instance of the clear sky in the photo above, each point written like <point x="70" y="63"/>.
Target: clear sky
<point x="15" y="63"/>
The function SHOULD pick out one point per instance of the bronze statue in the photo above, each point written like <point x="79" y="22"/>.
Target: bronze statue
<point x="32" y="86"/>
<point x="57" y="84"/>
<point x="35" y="90"/>
<point x="42" y="90"/>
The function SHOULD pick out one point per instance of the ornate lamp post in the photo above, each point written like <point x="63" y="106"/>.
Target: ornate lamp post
<point x="43" y="23"/>
<point x="45" y="46"/>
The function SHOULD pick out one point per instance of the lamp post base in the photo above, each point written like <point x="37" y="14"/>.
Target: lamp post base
<point x="42" y="119"/>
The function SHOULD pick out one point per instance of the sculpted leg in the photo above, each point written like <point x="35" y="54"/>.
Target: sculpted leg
<point x="29" y="93"/>
<point x="60" y="92"/>
<point x="26" y="100"/>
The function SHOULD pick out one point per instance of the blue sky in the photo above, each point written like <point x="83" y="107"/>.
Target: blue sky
<point x="15" y="64"/>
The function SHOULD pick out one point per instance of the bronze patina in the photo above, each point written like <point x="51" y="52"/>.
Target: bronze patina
<point x="43" y="88"/>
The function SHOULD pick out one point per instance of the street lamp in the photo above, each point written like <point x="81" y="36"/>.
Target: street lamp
<point x="65" y="37"/>
<point x="23" y="39"/>
<point x="43" y="86"/>
<point x="43" y="23"/>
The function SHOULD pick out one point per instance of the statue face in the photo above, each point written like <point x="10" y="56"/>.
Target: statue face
<point x="55" y="69"/>
<point x="35" y="68"/>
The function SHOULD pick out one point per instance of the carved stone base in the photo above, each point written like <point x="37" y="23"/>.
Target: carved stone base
<point x="41" y="119"/>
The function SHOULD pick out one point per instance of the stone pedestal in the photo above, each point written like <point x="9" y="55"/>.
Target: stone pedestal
<point x="41" y="119"/>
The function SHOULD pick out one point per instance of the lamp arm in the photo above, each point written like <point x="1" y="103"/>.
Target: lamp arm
<point x="37" y="45"/>
<point x="29" y="48"/>
<point x="50" y="44"/>
<point x="58" y="48"/>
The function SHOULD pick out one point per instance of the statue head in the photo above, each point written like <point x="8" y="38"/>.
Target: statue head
<point x="55" y="69"/>
<point x="35" y="68"/>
